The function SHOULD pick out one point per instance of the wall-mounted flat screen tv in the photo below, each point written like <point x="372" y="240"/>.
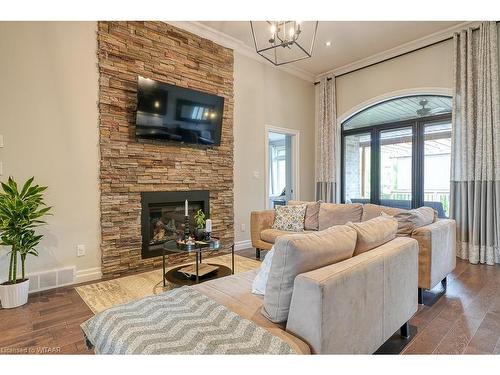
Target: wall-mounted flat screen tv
<point x="172" y="113"/>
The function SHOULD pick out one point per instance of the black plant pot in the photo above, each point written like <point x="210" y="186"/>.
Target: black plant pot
<point x="199" y="234"/>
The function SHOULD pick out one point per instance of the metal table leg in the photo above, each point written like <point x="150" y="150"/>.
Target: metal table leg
<point x="232" y="259"/>
<point x="197" y="277"/>
<point x="163" y="274"/>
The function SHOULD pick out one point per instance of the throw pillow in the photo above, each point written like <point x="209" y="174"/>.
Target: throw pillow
<point x="371" y="211"/>
<point x="374" y="232"/>
<point x="260" y="281"/>
<point x="413" y="219"/>
<point x="311" y="221"/>
<point x="331" y="214"/>
<point x="290" y="218"/>
<point x="298" y="253"/>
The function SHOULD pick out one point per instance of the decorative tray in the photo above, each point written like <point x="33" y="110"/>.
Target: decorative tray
<point x="191" y="244"/>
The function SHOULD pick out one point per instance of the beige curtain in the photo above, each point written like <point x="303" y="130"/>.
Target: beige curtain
<point x="325" y="159"/>
<point x="475" y="174"/>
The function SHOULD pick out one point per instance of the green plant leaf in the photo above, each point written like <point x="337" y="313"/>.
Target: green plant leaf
<point x="8" y="190"/>
<point x="26" y="186"/>
<point x="20" y="215"/>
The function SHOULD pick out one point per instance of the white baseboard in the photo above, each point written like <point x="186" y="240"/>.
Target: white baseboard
<point x="242" y="245"/>
<point x="89" y="274"/>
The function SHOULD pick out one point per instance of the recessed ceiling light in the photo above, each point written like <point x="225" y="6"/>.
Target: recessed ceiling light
<point x="328" y="43"/>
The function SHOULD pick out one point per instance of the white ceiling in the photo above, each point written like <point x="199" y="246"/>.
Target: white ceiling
<point x="350" y="40"/>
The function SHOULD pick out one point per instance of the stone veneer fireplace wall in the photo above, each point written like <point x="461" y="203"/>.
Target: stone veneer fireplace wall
<point x="130" y="166"/>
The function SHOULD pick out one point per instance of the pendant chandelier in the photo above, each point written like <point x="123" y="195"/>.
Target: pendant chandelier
<point x="283" y="42"/>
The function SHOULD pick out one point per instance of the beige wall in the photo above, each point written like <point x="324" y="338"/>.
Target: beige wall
<point x="267" y="96"/>
<point x="429" y="68"/>
<point x="48" y="108"/>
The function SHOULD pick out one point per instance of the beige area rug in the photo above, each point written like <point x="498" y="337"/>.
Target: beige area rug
<point x="105" y="294"/>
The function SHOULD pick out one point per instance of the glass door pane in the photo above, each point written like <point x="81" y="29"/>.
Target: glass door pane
<point x="437" y="162"/>
<point x="357" y="149"/>
<point x="396" y="168"/>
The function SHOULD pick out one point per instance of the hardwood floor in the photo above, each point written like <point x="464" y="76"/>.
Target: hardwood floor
<point x="49" y="323"/>
<point x="466" y="320"/>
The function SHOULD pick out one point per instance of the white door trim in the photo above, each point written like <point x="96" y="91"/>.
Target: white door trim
<point x="295" y="159"/>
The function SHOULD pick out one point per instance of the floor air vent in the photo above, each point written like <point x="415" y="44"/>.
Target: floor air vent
<point x="51" y="279"/>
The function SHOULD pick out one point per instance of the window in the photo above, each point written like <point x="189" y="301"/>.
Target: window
<point x="357" y="167"/>
<point x="437" y="161"/>
<point x="398" y="153"/>
<point x="395" y="167"/>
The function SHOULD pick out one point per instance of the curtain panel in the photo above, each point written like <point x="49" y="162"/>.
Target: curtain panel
<point x="475" y="172"/>
<point x="326" y="141"/>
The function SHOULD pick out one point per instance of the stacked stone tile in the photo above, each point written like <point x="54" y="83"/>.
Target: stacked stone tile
<point x="129" y="165"/>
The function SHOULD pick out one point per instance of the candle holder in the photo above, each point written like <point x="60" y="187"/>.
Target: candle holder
<point x="187" y="231"/>
<point x="208" y="229"/>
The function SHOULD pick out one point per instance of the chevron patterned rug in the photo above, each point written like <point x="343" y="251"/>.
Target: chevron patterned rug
<point x="180" y="321"/>
<point x="105" y="294"/>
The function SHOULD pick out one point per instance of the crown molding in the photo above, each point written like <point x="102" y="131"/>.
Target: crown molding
<point x="236" y="45"/>
<point x="401" y="49"/>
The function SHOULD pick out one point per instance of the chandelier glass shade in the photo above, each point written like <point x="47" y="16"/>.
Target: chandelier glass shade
<point x="283" y="42"/>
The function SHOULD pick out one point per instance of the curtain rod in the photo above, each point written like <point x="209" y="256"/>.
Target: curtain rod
<point x="396" y="56"/>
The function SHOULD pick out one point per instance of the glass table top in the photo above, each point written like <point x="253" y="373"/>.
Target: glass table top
<point x="197" y="246"/>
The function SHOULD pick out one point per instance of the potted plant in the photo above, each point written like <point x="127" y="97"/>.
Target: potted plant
<point x="20" y="214"/>
<point x="199" y="221"/>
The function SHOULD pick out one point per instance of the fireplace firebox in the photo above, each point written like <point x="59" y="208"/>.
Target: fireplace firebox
<point x="162" y="217"/>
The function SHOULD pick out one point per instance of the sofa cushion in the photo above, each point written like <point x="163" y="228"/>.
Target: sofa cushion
<point x="371" y="211"/>
<point x="300" y="253"/>
<point x="374" y="232"/>
<point x="311" y="221"/>
<point x="331" y="214"/>
<point x="290" y="218"/>
<point x="270" y="235"/>
<point x="410" y="220"/>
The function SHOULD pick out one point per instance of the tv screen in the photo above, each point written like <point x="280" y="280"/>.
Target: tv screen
<point x="171" y="113"/>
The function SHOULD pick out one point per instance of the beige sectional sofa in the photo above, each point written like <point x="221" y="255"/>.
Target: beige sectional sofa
<point x="436" y="241"/>
<point x="350" y="305"/>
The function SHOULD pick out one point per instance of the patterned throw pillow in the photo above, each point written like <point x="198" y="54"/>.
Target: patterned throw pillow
<point x="290" y="218"/>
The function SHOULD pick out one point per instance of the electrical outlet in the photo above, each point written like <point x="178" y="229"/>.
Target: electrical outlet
<point x="243" y="227"/>
<point x="80" y="250"/>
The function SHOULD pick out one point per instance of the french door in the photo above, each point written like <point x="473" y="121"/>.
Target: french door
<point x="404" y="164"/>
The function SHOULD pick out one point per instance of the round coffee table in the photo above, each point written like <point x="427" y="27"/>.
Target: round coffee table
<point x="175" y="276"/>
<point x="189" y="274"/>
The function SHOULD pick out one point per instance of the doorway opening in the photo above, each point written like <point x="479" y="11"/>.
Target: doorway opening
<point x="281" y="166"/>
